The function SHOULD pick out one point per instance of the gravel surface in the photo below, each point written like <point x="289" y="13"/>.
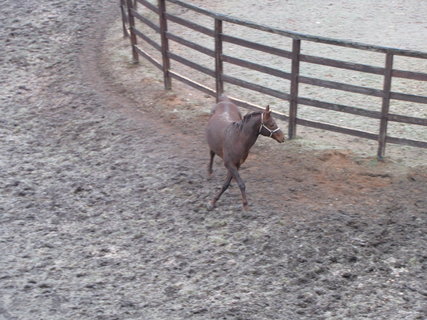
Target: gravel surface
<point x="103" y="198"/>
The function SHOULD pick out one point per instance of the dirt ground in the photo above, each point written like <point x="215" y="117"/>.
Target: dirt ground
<point x="103" y="195"/>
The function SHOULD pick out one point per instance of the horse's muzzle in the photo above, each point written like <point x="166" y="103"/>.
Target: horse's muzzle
<point x="279" y="136"/>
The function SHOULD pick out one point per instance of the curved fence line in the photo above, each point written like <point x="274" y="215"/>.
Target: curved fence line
<point x="130" y="13"/>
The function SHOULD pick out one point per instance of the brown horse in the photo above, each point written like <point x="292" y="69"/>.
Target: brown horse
<point x="231" y="136"/>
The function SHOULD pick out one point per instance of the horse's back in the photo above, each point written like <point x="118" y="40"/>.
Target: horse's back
<point x="224" y="114"/>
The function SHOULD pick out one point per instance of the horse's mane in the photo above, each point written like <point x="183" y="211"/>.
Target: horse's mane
<point x="245" y="119"/>
<point x="248" y="116"/>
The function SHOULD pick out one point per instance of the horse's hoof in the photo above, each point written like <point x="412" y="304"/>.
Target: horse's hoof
<point x="210" y="206"/>
<point x="246" y="207"/>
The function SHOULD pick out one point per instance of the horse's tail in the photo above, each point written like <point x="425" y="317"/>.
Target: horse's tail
<point x="222" y="98"/>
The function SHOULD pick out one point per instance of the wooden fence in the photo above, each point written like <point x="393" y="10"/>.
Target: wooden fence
<point x="130" y="13"/>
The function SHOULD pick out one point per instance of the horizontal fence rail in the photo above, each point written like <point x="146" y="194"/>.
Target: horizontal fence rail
<point x="130" y="12"/>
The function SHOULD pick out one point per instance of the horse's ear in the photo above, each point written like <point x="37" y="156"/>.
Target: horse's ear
<point x="267" y="111"/>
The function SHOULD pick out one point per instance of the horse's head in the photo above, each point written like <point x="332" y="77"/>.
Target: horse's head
<point x="269" y="128"/>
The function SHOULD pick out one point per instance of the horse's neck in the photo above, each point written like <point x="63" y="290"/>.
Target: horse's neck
<point x="250" y="131"/>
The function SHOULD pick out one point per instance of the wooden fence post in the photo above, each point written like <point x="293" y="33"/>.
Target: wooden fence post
<point x="382" y="137"/>
<point x="165" y="44"/>
<point x="124" y="18"/>
<point x="219" y="84"/>
<point x="293" y="103"/>
<point x="133" y="41"/>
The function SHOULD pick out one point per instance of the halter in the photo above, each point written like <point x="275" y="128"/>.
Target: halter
<point x="264" y="126"/>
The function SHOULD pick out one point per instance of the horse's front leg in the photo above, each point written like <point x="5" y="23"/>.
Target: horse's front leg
<point x="235" y="174"/>
<point x="224" y="187"/>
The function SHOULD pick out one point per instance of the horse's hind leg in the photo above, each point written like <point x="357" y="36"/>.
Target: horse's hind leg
<point x="224" y="187"/>
<point x="235" y="174"/>
<point x="212" y="154"/>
